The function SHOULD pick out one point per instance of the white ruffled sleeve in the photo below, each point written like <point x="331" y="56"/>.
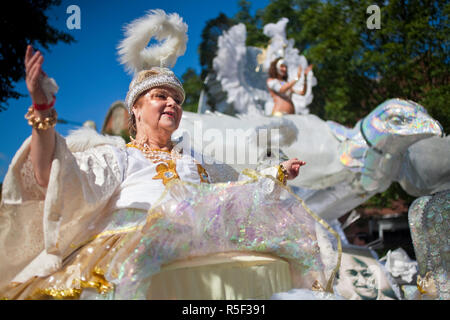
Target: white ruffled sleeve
<point x="70" y="210"/>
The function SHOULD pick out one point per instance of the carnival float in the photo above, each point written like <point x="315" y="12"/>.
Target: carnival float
<point x="254" y="238"/>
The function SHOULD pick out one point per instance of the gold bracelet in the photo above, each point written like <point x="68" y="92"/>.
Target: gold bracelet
<point x="37" y="123"/>
<point x="282" y="174"/>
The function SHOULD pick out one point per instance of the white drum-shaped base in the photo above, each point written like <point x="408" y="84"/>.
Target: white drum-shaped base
<point x="223" y="276"/>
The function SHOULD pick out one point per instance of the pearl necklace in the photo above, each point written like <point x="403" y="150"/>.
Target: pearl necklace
<point x="155" y="155"/>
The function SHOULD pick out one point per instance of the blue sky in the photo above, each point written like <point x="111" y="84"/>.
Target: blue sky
<point x="87" y="71"/>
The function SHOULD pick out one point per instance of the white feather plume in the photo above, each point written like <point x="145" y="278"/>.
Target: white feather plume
<point x="168" y="29"/>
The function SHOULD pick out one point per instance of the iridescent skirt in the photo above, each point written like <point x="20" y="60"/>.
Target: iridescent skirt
<point x="258" y="216"/>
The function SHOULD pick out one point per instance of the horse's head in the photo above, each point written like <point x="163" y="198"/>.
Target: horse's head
<point x="396" y="124"/>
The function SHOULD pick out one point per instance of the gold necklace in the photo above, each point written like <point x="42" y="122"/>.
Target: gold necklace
<point x="153" y="154"/>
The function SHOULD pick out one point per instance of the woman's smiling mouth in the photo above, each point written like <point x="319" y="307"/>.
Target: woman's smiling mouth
<point x="170" y="114"/>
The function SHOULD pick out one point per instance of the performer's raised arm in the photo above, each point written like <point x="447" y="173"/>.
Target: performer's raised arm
<point x="302" y="92"/>
<point x="41" y="116"/>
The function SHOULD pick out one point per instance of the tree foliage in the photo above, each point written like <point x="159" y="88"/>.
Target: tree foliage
<point x="357" y="68"/>
<point x="213" y="29"/>
<point x="208" y="47"/>
<point x="254" y="25"/>
<point x="193" y="85"/>
<point x="23" y="22"/>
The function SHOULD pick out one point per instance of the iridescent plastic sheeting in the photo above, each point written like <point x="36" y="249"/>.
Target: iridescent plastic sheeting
<point x="196" y="220"/>
<point x="400" y="118"/>
<point x="375" y="145"/>
<point x="190" y="220"/>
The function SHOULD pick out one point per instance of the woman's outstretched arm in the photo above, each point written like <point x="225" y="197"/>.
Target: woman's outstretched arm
<point x="42" y="141"/>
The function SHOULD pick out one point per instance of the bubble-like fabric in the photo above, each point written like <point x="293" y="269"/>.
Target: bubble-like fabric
<point x="189" y="220"/>
<point x="196" y="220"/>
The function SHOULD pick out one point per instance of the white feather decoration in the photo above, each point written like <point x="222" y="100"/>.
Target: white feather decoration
<point x="168" y="29"/>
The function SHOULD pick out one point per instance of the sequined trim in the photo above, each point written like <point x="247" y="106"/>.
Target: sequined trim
<point x="97" y="282"/>
<point x="151" y="82"/>
<point x="430" y="224"/>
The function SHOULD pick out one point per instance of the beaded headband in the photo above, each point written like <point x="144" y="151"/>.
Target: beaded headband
<point x="152" y="78"/>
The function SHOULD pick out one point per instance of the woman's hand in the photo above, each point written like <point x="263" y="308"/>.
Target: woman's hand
<point x="299" y="72"/>
<point x="292" y="167"/>
<point x="33" y="67"/>
<point x="307" y="70"/>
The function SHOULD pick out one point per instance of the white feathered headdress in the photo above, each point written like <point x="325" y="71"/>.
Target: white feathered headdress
<point x="138" y="58"/>
<point x="168" y="28"/>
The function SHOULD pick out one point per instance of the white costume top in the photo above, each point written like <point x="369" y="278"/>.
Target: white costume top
<point x="143" y="183"/>
<point x="300" y="102"/>
<point x="276" y="84"/>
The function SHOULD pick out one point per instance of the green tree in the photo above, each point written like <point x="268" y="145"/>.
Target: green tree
<point x="193" y="85"/>
<point x="411" y="55"/>
<point x="23" y="22"/>
<point x="215" y="28"/>
<point x="357" y="68"/>
<point x="254" y="25"/>
<point x="208" y="47"/>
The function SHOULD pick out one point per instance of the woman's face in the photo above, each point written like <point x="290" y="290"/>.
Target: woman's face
<point x="158" y="109"/>
<point x="283" y="70"/>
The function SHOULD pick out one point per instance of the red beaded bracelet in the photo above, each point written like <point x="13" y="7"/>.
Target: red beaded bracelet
<point x="44" y="106"/>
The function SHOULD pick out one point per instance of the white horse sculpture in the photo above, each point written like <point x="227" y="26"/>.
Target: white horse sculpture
<point x="345" y="167"/>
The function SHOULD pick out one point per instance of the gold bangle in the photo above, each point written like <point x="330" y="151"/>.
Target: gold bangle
<point x="37" y="123"/>
<point x="282" y="174"/>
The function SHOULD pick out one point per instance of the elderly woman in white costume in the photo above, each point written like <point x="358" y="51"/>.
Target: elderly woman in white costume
<point x="281" y="89"/>
<point x="89" y="217"/>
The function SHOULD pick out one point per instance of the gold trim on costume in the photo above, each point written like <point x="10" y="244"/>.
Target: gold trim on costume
<point x="166" y="171"/>
<point x="202" y="173"/>
<point x="316" y="286"/>
<point x="282" y="174"/>
<point x="60" y="293"/>
<point x="97" y="282"/>
<point x="426" y="285"/>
